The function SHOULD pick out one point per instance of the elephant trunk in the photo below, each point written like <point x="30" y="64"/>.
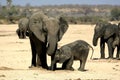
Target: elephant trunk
<point x="95" y="39"/>
<point x="52" y="45"/>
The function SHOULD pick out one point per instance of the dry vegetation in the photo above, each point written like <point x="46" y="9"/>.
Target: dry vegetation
<point x="15" y="57"/>
<point x="74" y="13"/>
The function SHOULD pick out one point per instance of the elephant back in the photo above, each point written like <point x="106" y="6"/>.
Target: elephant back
<point x="111" y="29"/>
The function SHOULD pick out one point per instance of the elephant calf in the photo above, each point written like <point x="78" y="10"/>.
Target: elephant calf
<point x="77" y="50"/>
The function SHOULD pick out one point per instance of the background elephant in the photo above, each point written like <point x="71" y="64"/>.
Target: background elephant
<point x="106" y="32"/>
<point x="22" y="28"/>
<point x="116" y="43"/>
<point x="44" y="34"/>
<point x="77" y="50"/>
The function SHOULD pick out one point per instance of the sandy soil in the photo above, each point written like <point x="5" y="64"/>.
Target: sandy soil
<point x="15" y="57"/>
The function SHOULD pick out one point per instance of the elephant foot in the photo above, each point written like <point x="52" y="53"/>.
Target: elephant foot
<point x="102" y="57"/>
<point x="32" y="66"/>
<point x="118" y="58"/>
<point x="45" y="67"/>
<point x="110" y="58"/>
<point x="37" y="66"/>
<point x="50" y="68"/>
<point x="81" y="69"/>
<point x="71" y="68"/>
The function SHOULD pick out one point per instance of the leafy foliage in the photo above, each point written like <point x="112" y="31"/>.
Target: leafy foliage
<point x="115" y="14"/>
<point x="75" y="14"/>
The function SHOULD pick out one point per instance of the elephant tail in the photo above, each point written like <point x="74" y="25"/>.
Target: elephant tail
<point x="92" y="51"/>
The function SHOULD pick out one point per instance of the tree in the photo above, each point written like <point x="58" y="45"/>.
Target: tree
<point x="115" y="14"/>
<point x="9" y="4"/>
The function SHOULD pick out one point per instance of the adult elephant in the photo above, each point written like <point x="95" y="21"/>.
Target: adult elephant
<point x="116" y="43"/>
<point x="106" y="32"/>
<point x="44" y="34"/>
<point x="22" y="28"/>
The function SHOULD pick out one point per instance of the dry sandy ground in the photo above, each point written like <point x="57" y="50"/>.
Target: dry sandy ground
<point x="15" y="57"/>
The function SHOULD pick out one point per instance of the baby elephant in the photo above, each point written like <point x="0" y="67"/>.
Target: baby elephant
<point x="77" y="50"/>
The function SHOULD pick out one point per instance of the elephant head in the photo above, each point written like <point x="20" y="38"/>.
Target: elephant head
<point x="62" y="54"/>
<point x="104" y="30"/>
<point x="98" y="32"/>
<point x="47" y="29"/>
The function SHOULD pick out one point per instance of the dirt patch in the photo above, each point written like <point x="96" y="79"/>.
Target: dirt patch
<point x="6" y="35"/>
<point x="5" y="68"/>
<point x="2" y="76"/>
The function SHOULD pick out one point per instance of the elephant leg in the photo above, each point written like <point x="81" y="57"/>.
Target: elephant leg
<point x="64" y="64"/>
<point x="110" y="48"/>
<point x="82" y="64"/>
<point x="24" y="34"/>
<point x="21" y="34"/>
<point x="118" y="52"/>
<point x="69" y="64"/>
<point x="38" y="62"/>
<point x="43" y="56"/>
<point x="102" y="48"/>
<point x="81" y="68"/>
<point x="41" y="51"/>
<point x="33" y="64"/>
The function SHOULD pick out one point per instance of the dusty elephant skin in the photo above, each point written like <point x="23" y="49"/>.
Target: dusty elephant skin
<point x="77" y="50"/>
<point x="22" y="28"/>
<point x="44" y="34"/>
<point x="106" y="32"/>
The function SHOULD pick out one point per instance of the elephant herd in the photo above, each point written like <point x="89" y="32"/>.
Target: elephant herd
<point x="45" y="32"/>
<point x="109" y="34"/>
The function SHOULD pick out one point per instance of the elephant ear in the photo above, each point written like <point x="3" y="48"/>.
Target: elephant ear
<point x="63" y="27"/>
<point x="38" y="33"/>
<point x="36" y="26"/>
<point x="111" y="29"/>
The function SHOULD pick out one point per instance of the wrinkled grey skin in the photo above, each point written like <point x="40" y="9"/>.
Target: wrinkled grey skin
<point x="116" y="43"/>
<point x="23" y="27"/>
<point x="106" y="32"/>
<point x="44" y="34"/>
<point x="77" y="50"/>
